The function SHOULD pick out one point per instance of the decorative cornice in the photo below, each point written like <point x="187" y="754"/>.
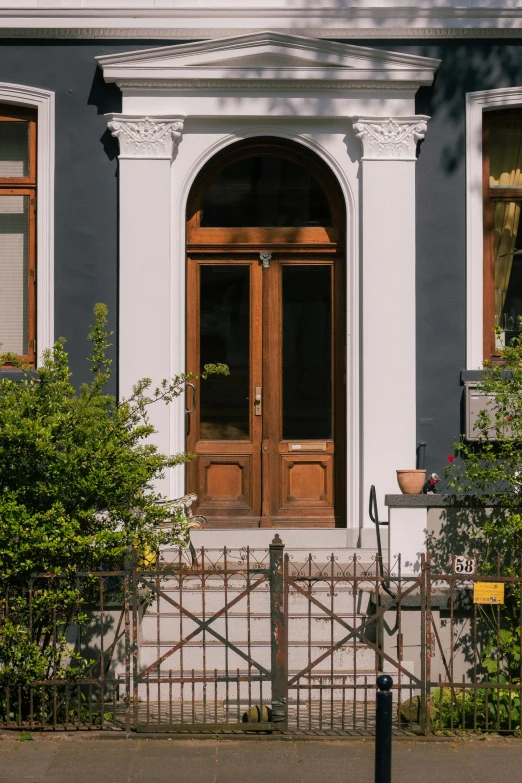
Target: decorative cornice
<point x="146" y="137"/>
<point x="265" y="84"/>
<point x="169" y="32"/>
<point x="367" y="11"/>
<point x="390" y="138"/>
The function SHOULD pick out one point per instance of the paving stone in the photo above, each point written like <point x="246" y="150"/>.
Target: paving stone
<point x="335" y="762"/>
<point x="174" y="761"/>
<point x="25" y="762"/>
<point x="257" y="762"/>
<point x="91" y="761"/>
<point x="74" y="759"/>
<point x="489" y="759"/>
<point x="432" y="762"/>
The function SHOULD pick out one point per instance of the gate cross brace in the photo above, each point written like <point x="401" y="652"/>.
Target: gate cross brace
<point x="441" y="650"/>
<point x="354" y="632"/>
<point x="204" y="625"/>
<point x="109" y="651"/>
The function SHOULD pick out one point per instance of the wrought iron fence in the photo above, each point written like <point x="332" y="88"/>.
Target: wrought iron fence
<point x="473" y="648"/>
<point x="74" y="634"/>
<point x="255" y="640"/>
<point x="207" y="655"/>
<point x="335" y="616"/>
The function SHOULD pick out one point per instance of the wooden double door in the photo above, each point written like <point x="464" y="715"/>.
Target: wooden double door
<point x="265" y="295"/>
<point x="268" y="436"/>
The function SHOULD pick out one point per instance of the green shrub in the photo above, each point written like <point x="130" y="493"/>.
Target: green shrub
<point x="77" y="489"/>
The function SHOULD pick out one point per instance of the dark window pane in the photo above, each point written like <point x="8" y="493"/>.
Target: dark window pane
<point x="265" y="191"/>
<point x="505" y="152"/>
<point x="14" y="265"/>
<point x="14" y="149"/>
<point x="225" y="337"/>
<point x="307" y="352"/>
<point x="508" y="269"/>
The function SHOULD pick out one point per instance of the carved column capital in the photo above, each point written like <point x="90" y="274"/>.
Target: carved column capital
<point x="390" y="138"/>
<point x="146" y="137"/>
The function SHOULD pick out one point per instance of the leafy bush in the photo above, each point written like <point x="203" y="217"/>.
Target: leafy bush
<point x="77" y="488"/>
<point x="465" y="709"/>
<point x="490" y="468"/>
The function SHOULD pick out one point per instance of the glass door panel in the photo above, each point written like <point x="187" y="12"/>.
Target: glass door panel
<point x="225" y="337"/>
<point x="307" y="352"/>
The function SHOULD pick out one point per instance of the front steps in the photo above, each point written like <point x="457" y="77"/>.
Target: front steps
<point x="246" y="626"/>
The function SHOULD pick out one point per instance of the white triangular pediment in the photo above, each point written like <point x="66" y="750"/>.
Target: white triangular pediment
<point x="267" y="55"/>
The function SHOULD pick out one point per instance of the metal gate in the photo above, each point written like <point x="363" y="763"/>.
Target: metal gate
<point x="208" y="643"/>
<point x="338" y="610"/>
<point x="237" y="640"/>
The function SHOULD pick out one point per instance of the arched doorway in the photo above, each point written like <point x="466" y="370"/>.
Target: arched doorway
<point x="266" y="296"/>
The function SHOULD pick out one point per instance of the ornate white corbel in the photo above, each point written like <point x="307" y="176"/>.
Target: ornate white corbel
<point x="390" y="138"/>
<point x="146" y="137"/>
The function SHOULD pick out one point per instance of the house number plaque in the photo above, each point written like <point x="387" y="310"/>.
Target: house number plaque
<point x="464" y="565"/>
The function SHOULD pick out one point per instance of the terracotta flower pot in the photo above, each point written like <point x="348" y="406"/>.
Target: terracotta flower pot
<point x="411" y="482"/>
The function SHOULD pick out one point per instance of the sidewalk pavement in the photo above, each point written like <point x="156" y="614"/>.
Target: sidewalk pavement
<point x="77" y="759"/>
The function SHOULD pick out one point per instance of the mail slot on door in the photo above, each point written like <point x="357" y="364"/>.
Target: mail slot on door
<point x="477" y="401"/>
<point x="314" y="446"/>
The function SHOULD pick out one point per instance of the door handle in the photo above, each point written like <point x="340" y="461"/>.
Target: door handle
<point x="194" y="398"/>
<point x="257" y="400"/>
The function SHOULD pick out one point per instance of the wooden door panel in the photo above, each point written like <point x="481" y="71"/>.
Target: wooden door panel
<point x="226" y="484"/>
<point x="307" y="482"/>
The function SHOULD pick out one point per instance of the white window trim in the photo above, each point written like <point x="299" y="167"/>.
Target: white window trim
<point x="43" y="102"/>
<point x="476" y="104"/>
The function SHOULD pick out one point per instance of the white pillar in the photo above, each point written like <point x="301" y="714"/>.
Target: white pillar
<point x="407" y="537"/>
<point x="147" y="145"/>
<point x="388" y="300"/>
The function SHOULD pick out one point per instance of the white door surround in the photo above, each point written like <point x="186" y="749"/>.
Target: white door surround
<point x="184" y="103"/>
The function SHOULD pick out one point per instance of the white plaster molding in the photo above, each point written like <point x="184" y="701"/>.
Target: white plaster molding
<point x="43" y="102"/>
<point x="476" y="104"/>
<point x="267" y="61"/>
<point x="146" y="137"/>
<point x="216" y="117"/>
<point x="390" y="138"/>
<point x="170" y="19"/>
<point x="169" y="32"/>
<point x="265" y="85"/>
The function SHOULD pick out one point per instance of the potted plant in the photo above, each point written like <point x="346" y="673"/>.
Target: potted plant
<point x="411" y="482"/>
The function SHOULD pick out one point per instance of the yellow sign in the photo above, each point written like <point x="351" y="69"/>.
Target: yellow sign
<point x="488" y="593"/>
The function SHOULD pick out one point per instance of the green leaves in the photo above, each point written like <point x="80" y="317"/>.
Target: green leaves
<point x="477" y="710"/>
<point x="78" y="475"/>
<point x="78" y="469"/>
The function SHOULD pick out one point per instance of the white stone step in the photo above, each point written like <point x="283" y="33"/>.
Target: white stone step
<point x="239" y="626"/>
<point x="299" y="554"/>
<point x="320" y="538"/>
<point x="215" y="655"/>
<point x="259" y="605"/>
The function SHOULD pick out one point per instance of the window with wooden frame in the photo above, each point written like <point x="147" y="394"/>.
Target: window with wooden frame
<point x="502" y="190"/>
<point x="17" y="232"/>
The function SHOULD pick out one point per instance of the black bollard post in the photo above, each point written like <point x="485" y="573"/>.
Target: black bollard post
<point x="383" y="729"/>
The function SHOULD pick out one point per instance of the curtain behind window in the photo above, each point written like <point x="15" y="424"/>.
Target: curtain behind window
<point x="505" y="164"/>
<point x="14" y="257"/>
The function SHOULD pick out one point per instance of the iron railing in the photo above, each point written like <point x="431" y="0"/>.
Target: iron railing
<point x="256" y="640"/>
